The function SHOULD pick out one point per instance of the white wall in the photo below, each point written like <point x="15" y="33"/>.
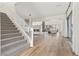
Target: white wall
<point x="75" y="18"/>
<point x="75" y="29"/>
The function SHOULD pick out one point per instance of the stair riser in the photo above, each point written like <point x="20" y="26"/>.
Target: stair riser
<point x="6" y="28"/>
<point x="6" y="20"/>
<point x="10" y="35"/>
<point x="6" y="23"/>
<point x="6" y="32"/>
<point x="4" y="16"/>
<point x="11" y="40"/>
<point x="3" y="50"/>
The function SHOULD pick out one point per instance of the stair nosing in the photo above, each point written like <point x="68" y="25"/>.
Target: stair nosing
<point x="10" y="38"/>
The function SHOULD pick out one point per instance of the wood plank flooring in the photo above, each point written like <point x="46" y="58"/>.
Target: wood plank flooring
<point x="48" y="45"/>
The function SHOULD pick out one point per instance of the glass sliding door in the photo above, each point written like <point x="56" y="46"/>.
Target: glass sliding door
<point x="69" y="27"/>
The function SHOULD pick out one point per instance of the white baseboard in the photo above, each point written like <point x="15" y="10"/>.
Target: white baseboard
<point x="76" y="52"/>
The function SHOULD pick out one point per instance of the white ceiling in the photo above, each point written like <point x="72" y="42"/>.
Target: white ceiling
<point x="41" y="8"/>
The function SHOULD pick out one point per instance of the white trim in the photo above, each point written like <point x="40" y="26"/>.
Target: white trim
<point x="10" y="38"/>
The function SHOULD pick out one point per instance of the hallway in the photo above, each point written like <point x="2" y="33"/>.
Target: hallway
<point x="48" y="45"/>
<point x="39" y="29"/>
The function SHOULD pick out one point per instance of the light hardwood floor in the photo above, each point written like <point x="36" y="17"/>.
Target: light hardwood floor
<point x="48" y="45"/>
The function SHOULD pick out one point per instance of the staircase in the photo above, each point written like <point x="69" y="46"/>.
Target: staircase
<point x="12" y="40"/>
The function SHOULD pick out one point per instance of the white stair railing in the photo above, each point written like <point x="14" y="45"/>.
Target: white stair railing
<point x="30" y="34"/>
<point x="27" y="35"/>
